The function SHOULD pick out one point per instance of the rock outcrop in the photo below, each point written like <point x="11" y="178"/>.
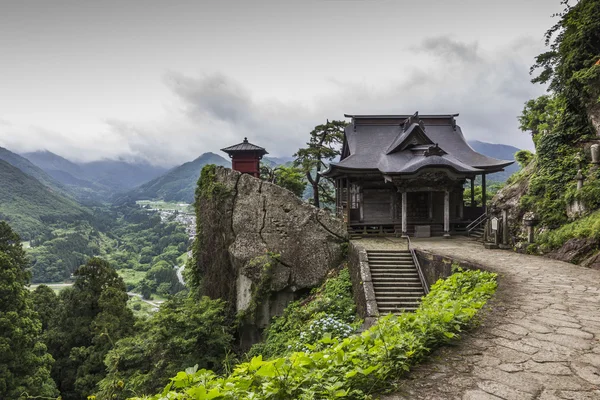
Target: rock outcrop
<point x="258" y="246"/>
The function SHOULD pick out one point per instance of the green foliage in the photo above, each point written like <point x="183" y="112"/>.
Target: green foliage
<point x="524" y="157"/>
<point x="569" y="64"/>
<point x="584" y="228"/>
<point x="261" y="266"/>
<point x="182" y="333"/>
<point x="24" y="361"/>
<point x="354" y="367"/>
<point x="207" y="244"/>
<point x="332" y="301"/>
<point x="540" y="115"/>
<point x="559" y="122"/>
<point x="491" y="190"/>
<point x="45" y="303"/>
<point x="288" y="177"/>
<point x="91" y="316"/>
<point x="323" y="147"/>
<point x="30" y="207"/>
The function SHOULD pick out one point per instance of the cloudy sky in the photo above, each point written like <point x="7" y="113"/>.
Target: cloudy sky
<point x="168" y="80"/>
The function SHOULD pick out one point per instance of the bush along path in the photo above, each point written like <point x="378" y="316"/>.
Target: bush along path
<point x="539" y="338"/>
<point x="355" y="367"/>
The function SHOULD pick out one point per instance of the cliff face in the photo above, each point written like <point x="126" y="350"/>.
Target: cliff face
<point x="258" y="246"/>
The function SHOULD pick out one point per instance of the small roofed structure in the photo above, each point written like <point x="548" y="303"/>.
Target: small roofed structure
<point x="406" y="173"/>
<point x="245" y="157"/>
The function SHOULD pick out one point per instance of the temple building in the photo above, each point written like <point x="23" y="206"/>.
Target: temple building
<point x="406" y="174"/>
<point x="245" y="157"/>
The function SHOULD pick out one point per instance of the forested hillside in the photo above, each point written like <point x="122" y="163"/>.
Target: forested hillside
<point x="179" y="183"/>
<point x="94" y="181"/>
<point x="30" y="169"/>
<point x="30" y="207"/>
<point x="564" y="126"/>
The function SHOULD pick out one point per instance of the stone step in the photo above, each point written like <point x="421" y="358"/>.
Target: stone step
<point x="397" y="286"/>
<point x="398" y="298"/>
<point x="396" y="278"/>
<point x="399" y="294"/>
<point x="388" y="252"/>
<point x="389" y="255"/>
<point x="393" y="268"/>
<point x="390" y="260"/>
<point x="394" y="310"/>
<point x="382" y="262"/>
<point x="394" y="304"/>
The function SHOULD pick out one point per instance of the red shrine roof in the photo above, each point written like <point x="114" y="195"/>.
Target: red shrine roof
<point x="245" y="146"/>
<point x="406" y="144"/>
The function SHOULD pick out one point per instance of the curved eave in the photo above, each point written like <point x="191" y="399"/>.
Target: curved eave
<point x="494" y="168"/>
<point x="334" y="170"/>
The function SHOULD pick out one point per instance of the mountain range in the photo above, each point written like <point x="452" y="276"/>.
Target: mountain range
<point x="500" y="151"/>
<point x="177" y="184"/>
<point x="97" y="180"/>
<point x="30" y="205"/>
<point x="40" y="187"/>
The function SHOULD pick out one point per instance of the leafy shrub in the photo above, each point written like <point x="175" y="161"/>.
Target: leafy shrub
<point x="318" y="329"/>
<point x="332" y="300"/>
<point x="353" y="367"/>
<point x="524" y="157"/>
<point x="584" y="228"/>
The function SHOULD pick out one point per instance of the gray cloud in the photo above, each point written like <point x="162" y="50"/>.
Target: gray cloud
<point x="211" y="111"/>
<point x="446" y="48"/>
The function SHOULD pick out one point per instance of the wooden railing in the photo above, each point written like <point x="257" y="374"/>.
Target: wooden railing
<point x="418" y="266"/>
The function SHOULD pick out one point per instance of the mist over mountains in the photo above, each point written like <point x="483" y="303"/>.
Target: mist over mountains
<point x="117" y="181"/>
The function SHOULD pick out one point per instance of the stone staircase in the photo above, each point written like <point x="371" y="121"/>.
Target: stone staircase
<point x="477" y="233"/>
<point x="395" y="280"/>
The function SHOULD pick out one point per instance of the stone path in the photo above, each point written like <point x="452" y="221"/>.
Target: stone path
<point x="539" y="338"/>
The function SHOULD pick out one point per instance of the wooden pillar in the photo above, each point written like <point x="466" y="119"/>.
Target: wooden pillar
<point x="430" y="205"/>
<point x="404" y="221"/>
<point x="461" y="203"/>
<point x="348" y="200"/>
<point x="446" y="213"/>
<point x="483" y="194"/>
<point x="473" y="205"/>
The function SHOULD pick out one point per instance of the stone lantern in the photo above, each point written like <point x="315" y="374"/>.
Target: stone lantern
<point x="529" y="221"/>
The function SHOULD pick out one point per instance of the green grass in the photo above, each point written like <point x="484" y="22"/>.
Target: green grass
<point x="583" y="228"/>
<point x="56" y="286"/>
<point x="131" y="277"/>
<point x="144" y="310"/>
<point x="182" y="259"/>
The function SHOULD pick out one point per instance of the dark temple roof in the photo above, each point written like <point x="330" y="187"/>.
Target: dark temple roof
<point x="406" y="144"/>
<point x="243" y="147"/>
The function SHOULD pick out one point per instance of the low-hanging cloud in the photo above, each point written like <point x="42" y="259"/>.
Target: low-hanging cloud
<point x="211" y="111"/>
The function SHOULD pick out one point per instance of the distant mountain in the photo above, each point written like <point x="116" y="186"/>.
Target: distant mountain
<point x="29" y="205"/>
<point x="96" y="180"/>
<point x="177" y="184"/>
<point x="30" y="169"/>
<point x="275" y="161"/>
<point x="499" y="151"/>
<point x="121" y="175"/>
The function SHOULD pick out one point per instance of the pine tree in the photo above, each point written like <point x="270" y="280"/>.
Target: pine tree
<point x="91" y="317"/>
<point x="24" y="361"/>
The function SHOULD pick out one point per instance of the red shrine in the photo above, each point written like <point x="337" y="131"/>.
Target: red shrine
<point x="245" y="157"/>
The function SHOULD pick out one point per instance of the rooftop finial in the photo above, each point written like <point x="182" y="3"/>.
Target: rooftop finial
<point x="245" y="140"/>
